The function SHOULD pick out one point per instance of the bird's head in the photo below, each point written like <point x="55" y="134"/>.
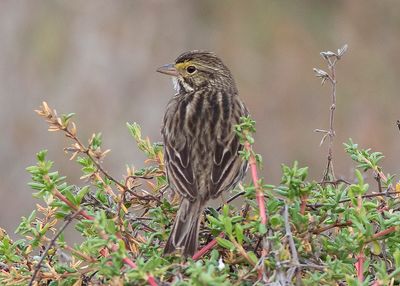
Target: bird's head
<point x="195" y="70"/>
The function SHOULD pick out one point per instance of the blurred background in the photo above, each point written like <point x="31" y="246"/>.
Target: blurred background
<point x="98" y="59"/>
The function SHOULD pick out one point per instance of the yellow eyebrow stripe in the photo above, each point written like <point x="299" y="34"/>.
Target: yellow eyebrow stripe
<point x="183" y="66"/>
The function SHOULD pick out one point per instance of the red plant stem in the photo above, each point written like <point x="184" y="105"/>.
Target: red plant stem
<point x="254" y="175"/>
<point x="361" y="256"/>
<point x="71" y="205"/>
<point x="384" y="232"/>
<point x="130" y="263"/>
<point x="259" y="195"/>
<point x="336" y="224"/>
<point x="151" y="281"/>
<point x="206" y="248"/>
<point x="360" y="266"/>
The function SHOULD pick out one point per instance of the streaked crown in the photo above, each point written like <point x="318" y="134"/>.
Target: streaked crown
<point x="196" y="70"/>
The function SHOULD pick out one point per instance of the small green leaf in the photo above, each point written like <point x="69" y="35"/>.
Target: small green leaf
<point x="239" y="233"/>
<point x="227" y="225"/>
<point x="41" y="155"/>
<point x="70" y="196"/>
<point x="262" y="229"/>
<point x="375" y="247"/>
<point x="213" y="220"/>
<point x="252" y="256"/>
<point x="359" y="177"/>
<point x="82" y="192"/>
<point x="225" y="210"/>
<point x="225" y="243"/>
<point x="275" y="220"/>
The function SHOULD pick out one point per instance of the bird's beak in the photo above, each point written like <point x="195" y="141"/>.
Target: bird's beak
<point x="168" y="69"/>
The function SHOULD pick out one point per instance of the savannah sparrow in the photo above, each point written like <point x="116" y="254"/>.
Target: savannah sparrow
<point x="201" y="147"/>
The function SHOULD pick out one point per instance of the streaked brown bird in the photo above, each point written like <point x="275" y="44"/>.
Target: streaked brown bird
<point x="201" y="147"/>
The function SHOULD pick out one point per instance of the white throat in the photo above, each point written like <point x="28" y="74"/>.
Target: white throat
<point x="178" y="83"/>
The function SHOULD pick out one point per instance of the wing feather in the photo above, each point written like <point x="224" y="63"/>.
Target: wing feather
<point x="179" y="170"/>
<point x="227" y="170"/>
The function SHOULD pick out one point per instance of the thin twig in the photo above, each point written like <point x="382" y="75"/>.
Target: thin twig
<point x="87" y="152"/>
<point x="147" y="198"/>
<point x="243" y="252"/>
<point x="385" y="194"/>
<point x="80" y="254"/>
<point x="303" y="205"/>
<point x="68" y="220"/>
<point x="61" y="197"/>
<point x="260" y="265"/>
<point x="382" y="233"/>
<point x="378" y="173"/>
<point x="378" y="180"/>
<point x="57" y="124"/>
<point x="331" y="58"/>
<point x="329" y="171"/>
<point x="335" y="182"/>
<point x="145" y="226"/>
<point x="246" y="207"/>
<point x="293" y="250"/>
<point x="328" y="227"/>
<point x="258" y="244"/>
<point x="310" y="265"/>
<point x="230" y="200"/>
<point x="206" y="248"/>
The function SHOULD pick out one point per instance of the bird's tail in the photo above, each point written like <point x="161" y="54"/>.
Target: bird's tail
<point x="185" y="232"/>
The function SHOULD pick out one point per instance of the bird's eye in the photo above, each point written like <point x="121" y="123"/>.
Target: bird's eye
<point x="191" y="69"/>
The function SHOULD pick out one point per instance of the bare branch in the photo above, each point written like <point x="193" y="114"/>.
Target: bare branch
<point x="293" y="250"/>
<point x="332" y="59"/>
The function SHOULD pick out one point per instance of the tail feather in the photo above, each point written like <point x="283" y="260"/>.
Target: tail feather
<point x="185" y="232"/>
